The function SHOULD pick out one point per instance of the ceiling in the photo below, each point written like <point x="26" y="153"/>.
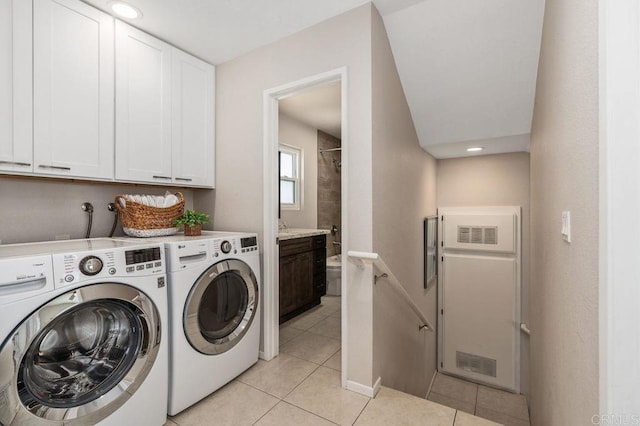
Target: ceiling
<point x="468" y="67"/>
<point x="220" y="30"/>
<point x="318" y="108"/>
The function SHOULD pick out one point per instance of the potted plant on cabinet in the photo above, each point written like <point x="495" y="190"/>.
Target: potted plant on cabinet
<point x="192" y="222"/>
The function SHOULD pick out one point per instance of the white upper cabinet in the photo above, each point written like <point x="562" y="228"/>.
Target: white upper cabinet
<point x="73" y="89"/>
<point x="16" y="140"/>
<point x="193" y="103"/>
<point x="143" y="106"/>
<point x="85" y="96"/>
<point x="164" y="112"/>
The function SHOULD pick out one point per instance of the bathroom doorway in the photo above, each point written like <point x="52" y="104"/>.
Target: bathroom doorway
<point x="305" y="190"/>
<point x="309" y="226"/>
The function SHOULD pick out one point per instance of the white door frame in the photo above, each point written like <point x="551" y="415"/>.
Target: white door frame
<point x="270" y="288"/>
<point x="619" y="193"/>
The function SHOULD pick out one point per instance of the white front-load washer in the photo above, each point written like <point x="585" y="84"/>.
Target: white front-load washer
<point x="83" y="332"/>
<point x="214" y="295"/>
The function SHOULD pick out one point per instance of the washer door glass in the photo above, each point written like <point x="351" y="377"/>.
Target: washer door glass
<point x="81" y="355"/>
<point x="221" y="306"/>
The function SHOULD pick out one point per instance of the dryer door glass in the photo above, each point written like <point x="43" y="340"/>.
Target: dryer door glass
<point x="82" y="354"/>
<point x="221" y="306"/>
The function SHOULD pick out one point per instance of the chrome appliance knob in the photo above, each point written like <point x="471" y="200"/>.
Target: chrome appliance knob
<point x="91" y="265"/>
<point x="225" y="247"/>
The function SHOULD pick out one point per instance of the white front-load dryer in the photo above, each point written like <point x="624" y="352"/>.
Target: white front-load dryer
<point x="83" y="332"/>
<point x="214" y="294"/>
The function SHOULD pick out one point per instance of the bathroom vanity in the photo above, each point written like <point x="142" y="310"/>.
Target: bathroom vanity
<point x="302" y="271"/>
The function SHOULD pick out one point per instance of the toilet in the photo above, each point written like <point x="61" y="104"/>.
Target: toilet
<point x="334" y="275"/>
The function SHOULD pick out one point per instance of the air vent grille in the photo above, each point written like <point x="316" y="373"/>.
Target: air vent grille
<point x="476" y="364"/>
<point x="478" y="234"/>
<point x="464" y="234"/>
<point x="491" y="235"/>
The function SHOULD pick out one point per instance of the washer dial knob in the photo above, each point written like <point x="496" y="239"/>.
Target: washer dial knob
<point x="225" y="247"/>
<point x="91" y="265"/>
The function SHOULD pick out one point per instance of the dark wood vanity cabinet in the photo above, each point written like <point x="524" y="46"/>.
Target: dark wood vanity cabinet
<point x="302" y="274"/>
<point x="319" y="272"/>
<point x="296" y="278"/>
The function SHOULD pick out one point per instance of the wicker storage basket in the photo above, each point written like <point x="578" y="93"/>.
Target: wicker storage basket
<point x="139" y="220"/>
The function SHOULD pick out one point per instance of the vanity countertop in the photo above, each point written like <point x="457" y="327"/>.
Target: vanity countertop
<point x="291" y="233"/>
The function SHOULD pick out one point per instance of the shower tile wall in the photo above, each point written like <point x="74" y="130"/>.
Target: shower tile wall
<point x="329" y="194"/>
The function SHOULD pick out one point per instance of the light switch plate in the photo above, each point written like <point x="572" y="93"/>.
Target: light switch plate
<point x="566" y="226"/>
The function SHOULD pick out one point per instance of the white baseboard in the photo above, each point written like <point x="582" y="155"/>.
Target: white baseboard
<point x="376" y="386"/>
<point x="433" y="379"/>
<point x="370" y="391"/>
<point x="261" y="355"/>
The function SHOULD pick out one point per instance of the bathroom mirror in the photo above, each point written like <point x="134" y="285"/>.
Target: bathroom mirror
<point x="430" y="229"/>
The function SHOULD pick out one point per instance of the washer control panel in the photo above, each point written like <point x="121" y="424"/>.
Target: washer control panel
<point x="72" y="268"/>
<point x="91" y="265"/>
<point x="143" y="259"/>
<point x="24" y="277"/>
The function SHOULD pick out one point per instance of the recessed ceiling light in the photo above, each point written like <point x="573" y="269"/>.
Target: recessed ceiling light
<point x="475" y="149"/>
<point x="125" y="10"/>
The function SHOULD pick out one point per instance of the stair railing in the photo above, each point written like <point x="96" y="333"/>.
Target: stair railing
<point x="360" y="258"/>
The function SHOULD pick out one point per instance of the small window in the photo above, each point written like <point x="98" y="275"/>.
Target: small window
<point x="290" y="177"/>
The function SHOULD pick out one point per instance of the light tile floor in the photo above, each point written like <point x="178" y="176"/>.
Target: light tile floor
<point x="499" y="406"/>
<point x="302" y="387"/>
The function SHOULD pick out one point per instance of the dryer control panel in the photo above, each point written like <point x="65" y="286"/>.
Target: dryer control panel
<point x="186" y="254"/>
<point x="249" y="244"/>
<point x="234" y="246"/>
<point x="224" y="247"/>
<point x="192" y="252"/>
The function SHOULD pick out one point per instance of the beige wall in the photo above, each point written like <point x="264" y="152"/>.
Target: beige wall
<point x="404" y="193"/>
<point x="343" y="41"/>
<point x="40" y="209"/>
<point x="299" y="135"/>
<point x="564" y="176"/>
<point x="494" y="180"/>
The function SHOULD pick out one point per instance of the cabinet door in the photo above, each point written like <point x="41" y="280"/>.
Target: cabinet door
<point x="143" y="106"/>
<point x="72" y="89"/>
<point x="16" y="140"/>
<point x="193" y="118"/>
<point x="304" y="275"/>
<point x="287" y="280"/>
<point x="296" y="282"/>
<point x="319" y="272"/>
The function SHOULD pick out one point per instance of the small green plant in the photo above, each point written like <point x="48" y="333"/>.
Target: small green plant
<point x="191" y="218"/>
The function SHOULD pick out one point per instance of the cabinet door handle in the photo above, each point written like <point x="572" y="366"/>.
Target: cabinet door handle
<point x="184" y="179"/>
<point x="15" y="163"/>
<point x="43" y="166"/>
<point x="162" y="177"/>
